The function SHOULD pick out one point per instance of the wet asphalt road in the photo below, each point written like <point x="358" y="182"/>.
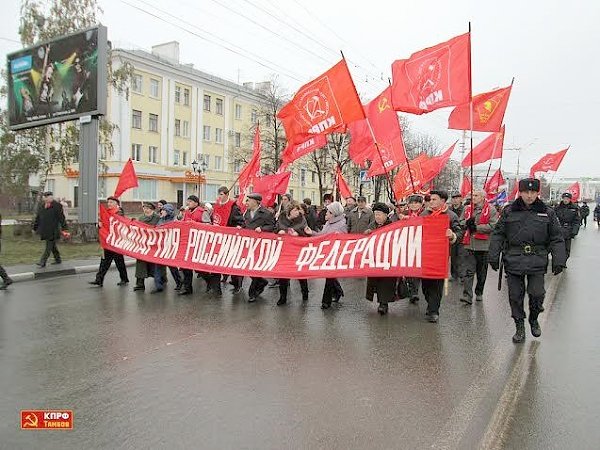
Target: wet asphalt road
<point x="161" y="371"/>
<point x="559" y="406"/>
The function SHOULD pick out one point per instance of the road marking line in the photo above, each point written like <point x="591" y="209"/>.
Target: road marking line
<point x="498" y="425"/>
<point x="456" y="426"/>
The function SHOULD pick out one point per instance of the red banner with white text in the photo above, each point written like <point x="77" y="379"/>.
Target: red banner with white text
<point x="416" y="247"/>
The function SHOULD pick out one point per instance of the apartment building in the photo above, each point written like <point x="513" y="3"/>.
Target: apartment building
<point x="175" y="116"/>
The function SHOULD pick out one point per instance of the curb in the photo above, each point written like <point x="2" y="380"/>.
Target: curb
<point x="43" y="275"/>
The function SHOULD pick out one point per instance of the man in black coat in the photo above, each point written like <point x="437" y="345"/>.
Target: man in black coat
<point x="49" y="222"/>
<point x="327" y="199"/>
<point x="456" y="250"/>
<point x="570" y="221"/>
<point x="584" y="211"/>
<point x="527" y="231"/>
<point x="259" y="219"/>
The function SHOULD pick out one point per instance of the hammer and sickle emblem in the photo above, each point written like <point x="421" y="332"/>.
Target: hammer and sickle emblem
<point x="31" y="421"/>
<point x="383" y="104"/>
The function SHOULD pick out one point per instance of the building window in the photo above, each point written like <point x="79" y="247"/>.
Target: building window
<point x="152" y="154"/>
<point x="136" y="119"/>
<point x="51" y="185"/>
<point x="236" y="190"/>
<point x="238" y="111"/>
<point x="219" y="106"/>
<point x="153" y="122"/>
<point x="312" y="196"/>
<point x="219" y="135"/>
<point x="177" y="94"/>
<point x="184" y="159"/>
<point x="207" y="103"/>
<point x="136" y="152"/>
<point x="206" y="133"/>
<point x="302" y="177"/>
<point x="136" y="83"/>
<point x="238" y="140"/>
<point x="218" y="163"/>
<point x="177" y="127"/>
<point x="186" y="97"/>
<point x="253" y="116"/>
<point x="204" y="158"/>
<point x="186" y="129"/>
<point x="210" y="190"/>
<point x="176" y="155"/>
<point x="146" y="190"/>
<point x="154" y="88"/>
<point x="237" y="166"/>
<point x="314" y="177"/>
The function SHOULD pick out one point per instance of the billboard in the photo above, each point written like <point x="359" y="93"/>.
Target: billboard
<point x="58" y="80"/>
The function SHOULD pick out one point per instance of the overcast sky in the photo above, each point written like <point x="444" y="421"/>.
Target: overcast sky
<point x="551" y="47"/>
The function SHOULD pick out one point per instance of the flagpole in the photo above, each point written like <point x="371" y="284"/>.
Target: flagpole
<point x="412" y="182"/>
<point x="462" y="157"/>
<point x="471" y="110"/>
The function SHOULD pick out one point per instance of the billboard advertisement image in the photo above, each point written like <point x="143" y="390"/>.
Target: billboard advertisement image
<point x="58" y="80"/>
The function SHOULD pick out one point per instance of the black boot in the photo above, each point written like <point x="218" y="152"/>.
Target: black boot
<point x="383" y="309"/>
<point x="139" y="284"/>
<point x="536" y="331"/>
<point x="519" y="336"/>
<point x="283" y="291"/>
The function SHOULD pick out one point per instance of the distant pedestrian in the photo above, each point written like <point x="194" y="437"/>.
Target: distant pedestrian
<point x="114" y="207"/>
<point x="568" y="216"/>
<point x="585" y="212"/>
<point x="361" y="218"/>
<point x="6" y="280"/>
<point x="49" y="223"/>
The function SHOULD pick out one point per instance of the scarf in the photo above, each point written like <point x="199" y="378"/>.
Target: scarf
<point x="437" y="212"/>
<point x="484" y="219"/>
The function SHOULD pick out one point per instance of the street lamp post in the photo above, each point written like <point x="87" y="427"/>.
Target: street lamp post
<point x="200" y="169"/>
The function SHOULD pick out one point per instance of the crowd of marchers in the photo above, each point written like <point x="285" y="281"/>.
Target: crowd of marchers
<point x="517" y="238"/>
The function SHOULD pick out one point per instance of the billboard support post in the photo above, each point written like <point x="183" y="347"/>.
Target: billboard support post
<point x="88" y="170"/>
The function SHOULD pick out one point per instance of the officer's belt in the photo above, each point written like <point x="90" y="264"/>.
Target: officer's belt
<point x="527" y="249"/>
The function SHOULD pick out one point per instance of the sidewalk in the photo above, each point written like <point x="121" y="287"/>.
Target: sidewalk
<point x="27" y="272"/>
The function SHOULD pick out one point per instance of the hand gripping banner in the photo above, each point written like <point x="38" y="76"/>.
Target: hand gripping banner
<point x="416" y="247"/>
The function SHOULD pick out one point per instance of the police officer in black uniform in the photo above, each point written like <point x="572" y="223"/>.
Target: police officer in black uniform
<point x="527" y="231"/>
<point x="570" y="221"/>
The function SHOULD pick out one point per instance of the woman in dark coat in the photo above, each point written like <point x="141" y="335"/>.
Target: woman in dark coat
<point x="145" y="269"/>
<point x="335" y="222"/>
<point x="292" y="222"/>
<point x="384" y="287"/>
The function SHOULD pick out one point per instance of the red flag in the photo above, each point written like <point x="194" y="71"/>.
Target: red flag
<point x="548" y="162"/>
<point x="271" y="185"/>
<point x="433" y="78"/>
<point x="434" y="166"/>
<point x="251" y="170"/>
<point x="575" y="190"/>
<point x="466" y="186"/>
<point x="489" y="148"/>
<point x="292" y="152"/>
<point x="407" y="182"/>
<point x="492" y="185"/>
<point x="386" y="129"/>
<point x="127" y="179"/>
<point x="342" y="185"/>
<point x="488" y="112"/>
<point x="323" y="106"/>
<point x="362" y="144"/>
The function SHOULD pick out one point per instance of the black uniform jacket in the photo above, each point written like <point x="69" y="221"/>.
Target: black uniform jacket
<point x="568" y="216"/>
<point x="526" y="236"/>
